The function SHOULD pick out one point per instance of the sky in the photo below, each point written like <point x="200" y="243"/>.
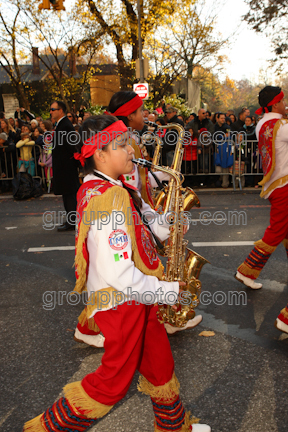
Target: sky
<point x="248" y="51"/>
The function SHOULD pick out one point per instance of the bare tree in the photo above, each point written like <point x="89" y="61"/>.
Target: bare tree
<point x="10" y="53"/>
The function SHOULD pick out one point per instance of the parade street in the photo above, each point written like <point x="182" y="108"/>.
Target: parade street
<point x="233" y="380"/>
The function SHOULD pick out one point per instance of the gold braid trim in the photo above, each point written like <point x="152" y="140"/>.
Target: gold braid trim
<point x="186" y="425"/>
<point x="166" y="392"/>
<point x="285" y="243"/>
<point x="115" y="198"/>
<point x="35" y="425"/>
<point x="264" y="247"/>
<point x="89" y="321"/>
<point x="79" y="399"/>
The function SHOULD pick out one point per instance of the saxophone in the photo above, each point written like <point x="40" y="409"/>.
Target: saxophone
<point x="183" y="264"/>
<point x="163" y="198"/>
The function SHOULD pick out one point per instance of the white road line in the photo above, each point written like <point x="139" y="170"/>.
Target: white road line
<point x="8" y="228"/>
<point x="49" y="249"/>
<point x="229" y="243"/>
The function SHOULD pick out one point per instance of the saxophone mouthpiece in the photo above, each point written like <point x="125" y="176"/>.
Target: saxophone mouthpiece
<point x="142" y="162"/>
<point x="149" y="123"/>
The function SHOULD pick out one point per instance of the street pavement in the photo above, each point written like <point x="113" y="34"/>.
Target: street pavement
<point x="236" y="380"/>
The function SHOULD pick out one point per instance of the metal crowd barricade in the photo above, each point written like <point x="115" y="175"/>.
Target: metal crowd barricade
<point x="246" y="162"/>
<point x="9" y="165"/>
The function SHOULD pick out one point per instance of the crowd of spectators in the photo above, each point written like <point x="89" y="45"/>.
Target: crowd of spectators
<point x="25" y="132"/>
<point x="212" y="145"/>
<point x="208" y="156"/>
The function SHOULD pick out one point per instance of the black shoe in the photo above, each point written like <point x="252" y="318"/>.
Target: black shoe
<point x="66" y="227"/>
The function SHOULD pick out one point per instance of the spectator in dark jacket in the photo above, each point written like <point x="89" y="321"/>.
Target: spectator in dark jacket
<point x="250" y="149"/>
<point x="238" y="126"/>
<point x="171" y="136"/>
<point x="28" y="116"/>
<point x="65" y="172"/>
<point x="200" y="122"/>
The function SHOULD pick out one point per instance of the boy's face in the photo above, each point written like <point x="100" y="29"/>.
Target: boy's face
<point x="1" y="142"/>
<point x="136" y="119"/>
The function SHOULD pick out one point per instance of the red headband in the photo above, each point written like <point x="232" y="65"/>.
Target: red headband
<point x="276" y="99"/>
<point x="100" y="140"/>
<point x="129" y="107"/>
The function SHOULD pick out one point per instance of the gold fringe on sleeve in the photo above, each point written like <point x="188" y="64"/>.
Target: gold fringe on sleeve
<point x="89" y="321"/>
<point x="35" y="425"/>
<point x="285" y="243"/>
<point x="166" y="392"/>
<point x="117" y="199"/>
<point x="80" y="400"/>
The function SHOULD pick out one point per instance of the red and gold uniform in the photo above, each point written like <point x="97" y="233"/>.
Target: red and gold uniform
<point x="272" y="135"/>
<point x="114" y="252"/>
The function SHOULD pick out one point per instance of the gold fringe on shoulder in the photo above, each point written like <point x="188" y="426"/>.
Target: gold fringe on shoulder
<point x="285" y="243"/>
<point x="186" y="425"/>
<point x="80" y="400"/>
<point x="166" y="392"/>
<point x="35" y="425"/>
<point x="260" y="244"/>
<point x="115" y="198"/>
<point x="89" y="321"/>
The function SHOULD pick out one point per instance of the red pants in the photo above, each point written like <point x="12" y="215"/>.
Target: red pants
<point x="134" y="339"/>
<point x="277" y="231"/>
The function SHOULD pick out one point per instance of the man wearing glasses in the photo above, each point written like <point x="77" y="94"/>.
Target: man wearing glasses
<point x="65" y="172"/>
